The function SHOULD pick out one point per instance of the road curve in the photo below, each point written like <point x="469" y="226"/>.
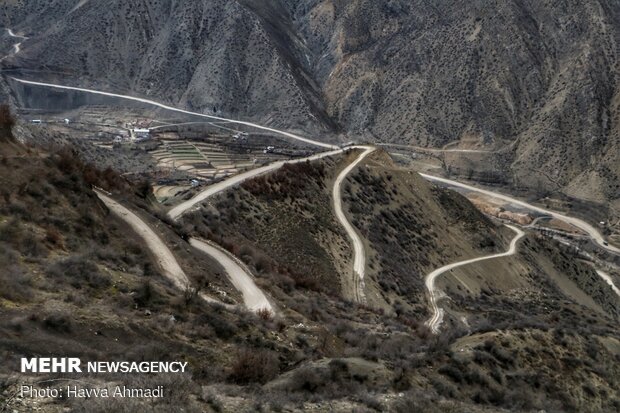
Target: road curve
<point x="437" y="317"/>
<point x="16" y="46"/>
<point x="594" y="234"/>
<point x="163" y="106"/>
<point x="359" y="253"/>
<point x="239" y="275"/>
<point x="211" y="190"/>
<point x="166" y="260"/>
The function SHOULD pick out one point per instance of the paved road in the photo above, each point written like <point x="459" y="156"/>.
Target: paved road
<point x="211" y="190"/>
<point x="359" y="253"/>
<point x="161" y="105"/>
<point x="589" y="229"/>
<point x="436" y="319"/>
<point x="239" y="275"/>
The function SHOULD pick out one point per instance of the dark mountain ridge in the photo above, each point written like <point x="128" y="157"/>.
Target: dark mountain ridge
<point x="536" y="80"/>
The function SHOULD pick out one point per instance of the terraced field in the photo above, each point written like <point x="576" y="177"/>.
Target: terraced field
<point x="206" y="160"/>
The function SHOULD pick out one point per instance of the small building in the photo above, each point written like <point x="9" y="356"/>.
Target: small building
<point x="142" y="133"/>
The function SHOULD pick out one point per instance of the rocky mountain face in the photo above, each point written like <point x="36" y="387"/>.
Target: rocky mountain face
<point x="537" y="80"/>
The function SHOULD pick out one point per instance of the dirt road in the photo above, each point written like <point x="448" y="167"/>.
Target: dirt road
<point x="609" y="281"/>
<point x="239" y="275"/>
<point x="434" y="294"/>
<point x="592" y="232"/>
<point x="359" y="253"/>
<point x="211" y="190"/>
<point x="165" y="259"/>
<point x="16" y="46"/>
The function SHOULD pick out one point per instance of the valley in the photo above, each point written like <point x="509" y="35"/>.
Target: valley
<point x="317" y="206"/>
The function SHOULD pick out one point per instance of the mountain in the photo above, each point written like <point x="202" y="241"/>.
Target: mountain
<point x="77" y="281"/>
<point x="385" y="291"/>
<point x="534" y="81"/>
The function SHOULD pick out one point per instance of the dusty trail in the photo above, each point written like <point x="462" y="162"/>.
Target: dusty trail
<point x="434" y="294"/>
<point x="211" y="190"/>
<point x="239" y="275"/>
<point x="16" y="46"/>
<point x="359" y="260"/>
<point x="609" y="281"/>
<point x="165" y="259"/>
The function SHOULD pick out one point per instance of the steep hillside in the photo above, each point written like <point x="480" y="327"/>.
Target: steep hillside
<point x="214" y="56"/>
<point x="76" y="282"/>
<point x="534" y="78"/>
<point x="279" y="224"/>
<point x="413" y="228"/>
<point x="283" y="224"/>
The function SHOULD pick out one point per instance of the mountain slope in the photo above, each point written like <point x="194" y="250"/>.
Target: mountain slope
<point x="539" y="80"/>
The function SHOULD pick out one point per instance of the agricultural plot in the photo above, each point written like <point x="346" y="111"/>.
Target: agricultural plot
<point x="207" y="160"/>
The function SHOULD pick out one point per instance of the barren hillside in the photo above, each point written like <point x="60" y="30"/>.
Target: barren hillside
<point x="532" y="77"/>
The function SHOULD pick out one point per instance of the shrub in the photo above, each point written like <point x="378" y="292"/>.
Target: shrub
<point x="308" y="379"/>
<point x="16" y="285"/>
<point x="58" y="322"/>
<point x="54" y="237"/>
<point x="144" y="294"/>
<point x="79" y="270"/>
<point x="452" y="372"/>
<point x="7" y="121"/>
<point x="222" y="327"/>
<point x="254" y="366"/>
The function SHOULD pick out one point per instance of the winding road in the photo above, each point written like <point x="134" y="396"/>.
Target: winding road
<point x="609" y="281"/>
<point x="359" y="253"/>
<point x="166" y="260"/>
<point x="211" y="190"/>
<point x="16" y="46"/>
<point x="592" y="232"/>
<point x="434" y="294"/>
<point x="239" y="275"/>
<point x="253" y="297"/>
<point x="177" y="275"/>
<point x="187" y="112"/>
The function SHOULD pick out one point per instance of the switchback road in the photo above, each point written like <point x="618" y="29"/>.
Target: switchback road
<point x="434" y="294"/>
<point x="359" y="253"/>
<point x="239" y="275"/>
<point x="589" y="229"/>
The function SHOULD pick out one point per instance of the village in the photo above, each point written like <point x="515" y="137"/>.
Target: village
<point x="186" y="153"/>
